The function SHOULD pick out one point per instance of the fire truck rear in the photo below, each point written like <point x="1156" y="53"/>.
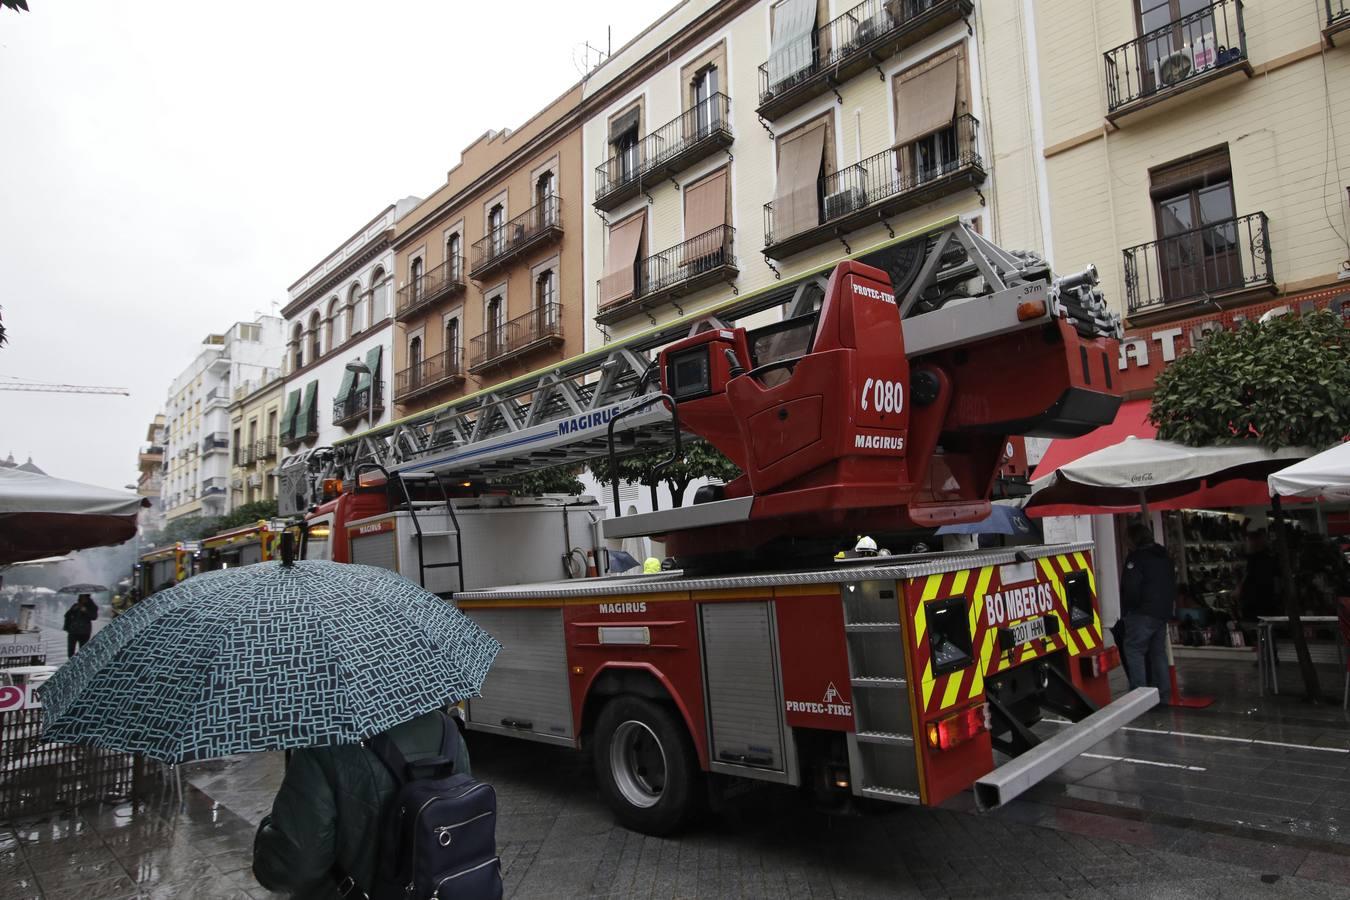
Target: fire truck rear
<point x="885" y="408"/>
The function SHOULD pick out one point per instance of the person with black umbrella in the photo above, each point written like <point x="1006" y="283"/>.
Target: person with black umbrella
<point x="79" y="623"/>
<point x="1148" y="597"/>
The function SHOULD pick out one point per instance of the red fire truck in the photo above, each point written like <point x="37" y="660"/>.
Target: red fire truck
<point x="167" y="566"/>
<point x="891" y="678"/>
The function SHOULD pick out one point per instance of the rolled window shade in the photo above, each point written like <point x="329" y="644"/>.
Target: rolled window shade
<point x="1205" y="168"/>
<point x="796" y="203"/>
<point x="792" y="51"/>
<point x="705" y="206"/>
<point x="624" y="123"/>
<point x="617" y="282"/>
<point x="926" y="102"/>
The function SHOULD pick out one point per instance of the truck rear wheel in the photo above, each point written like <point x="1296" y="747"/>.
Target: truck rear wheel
<point x="646" y="765"/>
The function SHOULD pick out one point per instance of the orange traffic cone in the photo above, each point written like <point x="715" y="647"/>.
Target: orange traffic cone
<point x="591" y="570"/>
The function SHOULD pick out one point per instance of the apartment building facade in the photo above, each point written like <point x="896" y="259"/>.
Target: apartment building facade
<point x="151" y="466"/>
<point x="197" y="412"/>
<point x="489" y="266"/>
<point x="255" y="416"/>
<point x="735" y="144"/>
<point x="1192" y="151"/>
<point x="339" y="333"/>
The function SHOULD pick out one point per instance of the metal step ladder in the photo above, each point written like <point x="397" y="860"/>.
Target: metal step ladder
<point x="881" y="747"/>
<point x="403" y="480"/>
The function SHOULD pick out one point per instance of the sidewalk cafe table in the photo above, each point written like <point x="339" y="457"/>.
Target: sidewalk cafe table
<point x="1265" y="646"/>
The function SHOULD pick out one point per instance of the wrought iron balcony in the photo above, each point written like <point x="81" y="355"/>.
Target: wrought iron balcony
<point x="217" y="441"/>
<point x="673" y="147"/>
<point x="434" y="372"/>
<point x="1338" y="19"/>
<point x="841" y="48"/>
<point x="1181" y="55"/>
<point x="540" y="327"/>
<point x="266" y="448"/>
<point x="214" y="486"/>
<point x="444" y="280"/>
<point x="307" y="428"/>
<point x="1204" y="263"/>
<point x="349" y="409"/>
<point x="698" y="262"/>
<point x="883" y="185"/>
<point x="538" y="224"/>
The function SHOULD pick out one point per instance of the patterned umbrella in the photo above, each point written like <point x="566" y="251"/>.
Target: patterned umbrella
<point x="266" y="657"/>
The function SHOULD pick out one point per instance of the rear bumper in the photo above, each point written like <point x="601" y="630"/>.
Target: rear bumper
<point x="1018" y="775"/>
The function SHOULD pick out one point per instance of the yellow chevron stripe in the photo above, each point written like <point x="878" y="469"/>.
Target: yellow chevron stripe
<point x="1063" y="561"/>
<point x="920" y="625"/>
<point x="1068" y="635"/>
<point x="1085" y="637"/>
<point x="931" y="586"/>
<point x="959" y="582"/>
<point x="927" y="683"/>
<point x="953" y="689"/>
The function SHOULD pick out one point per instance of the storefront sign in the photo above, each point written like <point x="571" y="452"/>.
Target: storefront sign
<point x="1144" y="352"/>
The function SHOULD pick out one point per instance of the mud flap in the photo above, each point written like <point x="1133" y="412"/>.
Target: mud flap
<point x="1020" y="774"/>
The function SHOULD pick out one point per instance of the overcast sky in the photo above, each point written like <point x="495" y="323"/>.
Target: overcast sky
<point x="169" y="167"/>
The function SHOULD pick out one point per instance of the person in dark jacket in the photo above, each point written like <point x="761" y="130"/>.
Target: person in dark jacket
<point x="80" y="623"/>
<point x="327" y="817"/>
<point x="1148" y="596"/>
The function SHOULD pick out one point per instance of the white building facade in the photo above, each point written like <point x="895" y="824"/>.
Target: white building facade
<point x="339" y="329"/>
<point x="197" y="442"/>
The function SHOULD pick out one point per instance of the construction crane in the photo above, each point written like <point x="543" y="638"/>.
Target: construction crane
<point x="61" y="388"/>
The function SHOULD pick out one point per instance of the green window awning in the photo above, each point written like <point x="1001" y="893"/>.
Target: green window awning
<point x="288" y="417"/>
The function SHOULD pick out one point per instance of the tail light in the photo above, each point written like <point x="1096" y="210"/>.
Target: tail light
<point x="956" y="729"/>
<point x="1099" y="664"/>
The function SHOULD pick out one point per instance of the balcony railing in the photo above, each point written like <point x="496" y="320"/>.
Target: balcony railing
<point x="444" y="280"/>
<point x="698" y="262"/>
<point x="429" y="374"/>
<point x="307" y="427"/>
<point x="352" y="407"/>
<point x="539" y="327"/>
<point x="213" y="442"/>
<point x="1338" y="17"/>
<point x="841" y="48"/>
<point x="266" y="448"/>
<point x="214" y="486"/>
<point x="892" y="181"/>
<point x="673" y="147"/>
<point x="1221" y="258"/>
<point x="537" y="224"/>
<point x="1181" y="54"/>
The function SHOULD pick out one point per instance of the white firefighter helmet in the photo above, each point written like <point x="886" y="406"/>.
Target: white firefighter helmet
<point x="865" y="546"/>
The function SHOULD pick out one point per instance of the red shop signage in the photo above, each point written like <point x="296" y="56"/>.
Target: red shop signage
<point x="1144" y="352"/>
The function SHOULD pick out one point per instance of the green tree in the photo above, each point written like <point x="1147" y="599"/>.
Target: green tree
<point x="1282" y="383"/>
<point x="248" y="514"/>
<point x="186" y="528"/>
<point x="698" y="460"/>
<point x="557" y="480"/>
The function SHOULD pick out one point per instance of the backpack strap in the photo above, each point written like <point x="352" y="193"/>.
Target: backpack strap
<point x="402" y="770"/>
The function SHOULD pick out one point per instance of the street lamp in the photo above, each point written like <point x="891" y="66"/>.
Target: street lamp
<point x="361" y="368"/>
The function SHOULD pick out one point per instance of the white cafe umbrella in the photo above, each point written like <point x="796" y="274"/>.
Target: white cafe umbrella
<point x="1326" y="475"/>
<point x="1137" y="470"/>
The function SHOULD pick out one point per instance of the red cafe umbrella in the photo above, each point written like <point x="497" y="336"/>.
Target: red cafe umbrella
<point x="44" y="516"/>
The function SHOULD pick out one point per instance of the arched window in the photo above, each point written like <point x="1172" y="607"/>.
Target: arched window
<point x="415" y="362"/>
<point x="496" y="334"/>
<point x="379" y="293"/>
<point x="415" y="279"/>
<point x="497" y="229"/>
<point x="297" y="347"/>
<point x="453" y="258"/>
<point x="334" y="323"/>
<point x="543" y="198"/>
<point x="452" y="345"/>
<point x="315" y="336"/>
<point x="349" y="308"/>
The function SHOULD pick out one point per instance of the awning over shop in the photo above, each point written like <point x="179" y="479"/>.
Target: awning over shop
<point x="1132" y="421"/>
<point x="41" y="516"/>
<point x="1325" y="476"/>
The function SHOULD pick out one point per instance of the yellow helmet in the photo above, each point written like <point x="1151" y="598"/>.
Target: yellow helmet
<point x="651" y="566"/>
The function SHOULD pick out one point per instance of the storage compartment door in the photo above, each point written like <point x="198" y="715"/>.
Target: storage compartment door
<point x="250" y="554"/>
<point x="377" y="549"/>
<point x="745" y="698"/>
<point x="526" y="691"/>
